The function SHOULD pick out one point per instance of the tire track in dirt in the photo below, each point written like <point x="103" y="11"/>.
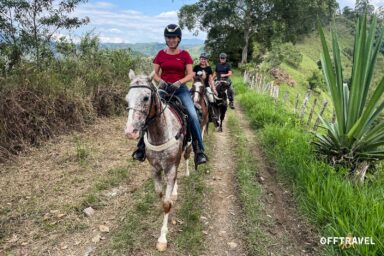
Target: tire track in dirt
<point x="286" y="232"/>
<point x="222" y="213"/>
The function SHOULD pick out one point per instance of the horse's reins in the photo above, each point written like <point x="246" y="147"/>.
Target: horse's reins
<point x="148" y="119"/>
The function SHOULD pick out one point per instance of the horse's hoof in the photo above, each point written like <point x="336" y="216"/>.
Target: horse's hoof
<point x="161" y="246"/>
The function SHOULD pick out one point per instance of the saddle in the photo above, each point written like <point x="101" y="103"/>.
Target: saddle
<point x="177" y="107"/>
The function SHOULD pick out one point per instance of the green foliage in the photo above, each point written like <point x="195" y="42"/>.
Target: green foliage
<point x="234" y="25"/>
<point x="316" y="80"/>
<point x="287" y="53"/>
<point x="82" y="83"/>
<point x="337" y="206"/>
<point x="357" y="135"/>
<point x="291" y="55"/>
<point x="275" y="56"/>
<point x="27" y="27"/>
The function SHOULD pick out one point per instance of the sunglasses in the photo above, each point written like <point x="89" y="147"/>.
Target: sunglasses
<point x="222" y="58"/>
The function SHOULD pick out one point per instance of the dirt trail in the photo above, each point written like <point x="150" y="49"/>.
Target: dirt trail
<point x="286" y="231"/>
<point x="43" y="194"/>
<point x="222" y="212"/>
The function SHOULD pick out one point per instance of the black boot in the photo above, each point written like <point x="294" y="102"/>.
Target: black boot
<point x="200" y="157"/>
<point x="139" y="153"/>
<point x="231" y="105"/>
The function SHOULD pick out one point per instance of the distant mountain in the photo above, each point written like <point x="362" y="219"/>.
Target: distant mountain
<point x="194" y="46"/>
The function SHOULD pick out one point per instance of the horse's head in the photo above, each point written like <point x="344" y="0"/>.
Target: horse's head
<point x="141" y="105"/>
<point x="221" y="86"/>
<point x="198" y="86"/>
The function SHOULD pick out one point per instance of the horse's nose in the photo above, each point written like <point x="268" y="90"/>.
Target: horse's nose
<point x="131" y="132"/>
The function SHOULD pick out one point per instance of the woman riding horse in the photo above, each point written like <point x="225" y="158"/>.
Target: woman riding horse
<point x="175" y="66"/>
<point x="208" y="82"/>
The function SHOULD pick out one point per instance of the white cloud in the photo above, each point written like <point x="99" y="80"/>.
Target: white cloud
<point x="115" y="30"/>
<point x="108" y="39"/>
<point x="171" y="14"/>
<point x="104" y="4"/>
<point x="130" y="26"/>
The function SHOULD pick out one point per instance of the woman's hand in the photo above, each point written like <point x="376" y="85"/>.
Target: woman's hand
<point x="175" y="85"/>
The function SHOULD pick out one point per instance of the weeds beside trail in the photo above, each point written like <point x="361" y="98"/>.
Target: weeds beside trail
<point x="338" y="207"/>
<point x="68" y="93"/>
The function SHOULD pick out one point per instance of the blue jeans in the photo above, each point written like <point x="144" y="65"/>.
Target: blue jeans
<point x="194" y="124"/>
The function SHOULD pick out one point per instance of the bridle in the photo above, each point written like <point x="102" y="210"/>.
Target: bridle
<point x="154" y="97"/>
<point x="200" y="91"/>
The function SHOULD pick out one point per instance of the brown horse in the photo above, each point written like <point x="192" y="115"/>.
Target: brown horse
<point x="198" y="90"/>
<point x="164" y="140"/>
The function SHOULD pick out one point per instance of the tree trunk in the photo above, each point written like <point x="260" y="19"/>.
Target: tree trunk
<point x="244" y="54"/>
<point x="360" y="172"/>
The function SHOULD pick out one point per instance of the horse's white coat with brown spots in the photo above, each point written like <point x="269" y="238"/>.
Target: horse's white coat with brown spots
<point x="162" y="129"/>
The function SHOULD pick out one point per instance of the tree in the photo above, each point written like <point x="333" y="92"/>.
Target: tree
<point x="363" y="6"/>
<point x="244" y="21"/>
<point x="27" y="26"/>
<point x="349" y="13"/>
<point x="222" y="18"/>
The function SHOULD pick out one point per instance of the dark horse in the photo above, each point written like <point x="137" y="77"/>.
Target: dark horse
<point x="221" y="101"/>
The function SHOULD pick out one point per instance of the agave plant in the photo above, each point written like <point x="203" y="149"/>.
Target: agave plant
<point x="356" y="138"/>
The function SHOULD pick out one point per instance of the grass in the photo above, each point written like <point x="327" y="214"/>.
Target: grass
<point x="335" y="205"/>
<point x="94" y="197"/>
<point x="249" y="190"/>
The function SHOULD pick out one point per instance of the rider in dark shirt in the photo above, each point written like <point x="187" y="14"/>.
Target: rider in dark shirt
<point x="203" y="66"/>
<point x="223" y="71"/>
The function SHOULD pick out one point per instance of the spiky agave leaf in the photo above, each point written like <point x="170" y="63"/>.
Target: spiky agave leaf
<point x="357" y="130"/>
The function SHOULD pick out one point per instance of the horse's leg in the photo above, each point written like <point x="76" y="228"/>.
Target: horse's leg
<point x="156" y="174"/>
<point x="203" y="131"/>
<point x="167" y="205"/>
<point x="174" y="192"/>
<point x="187" y="154"/>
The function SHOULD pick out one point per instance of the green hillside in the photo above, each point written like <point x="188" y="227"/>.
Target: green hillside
<point x="150" y="49"/>
<point x="310" y="47"/>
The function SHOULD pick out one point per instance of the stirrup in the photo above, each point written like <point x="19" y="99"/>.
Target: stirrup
<point x="136" y="155"/>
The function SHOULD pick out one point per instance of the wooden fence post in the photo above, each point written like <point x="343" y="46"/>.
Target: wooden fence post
<point x="325" y="103"/>
<point x="296" y="103"/>
<point x="245" y="77"/>
<point x="312" y="110"/>
<point x="285" y="97"/>
<point x="333" y="116"/>
<point x="304" y="106"/>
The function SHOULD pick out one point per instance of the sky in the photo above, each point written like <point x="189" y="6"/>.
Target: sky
<point x="137" y="21"/>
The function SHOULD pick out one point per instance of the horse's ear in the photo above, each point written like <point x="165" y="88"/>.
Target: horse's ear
<point x="152" y="75"/>
<point x="131" y="74"/>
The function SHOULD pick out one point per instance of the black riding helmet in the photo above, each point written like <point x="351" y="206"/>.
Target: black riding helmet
<point x="173" y="30"/>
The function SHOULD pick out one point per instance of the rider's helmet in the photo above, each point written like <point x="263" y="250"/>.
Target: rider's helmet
<point x="173" y="30"/>
<point x="223" y="55"/>
<point x="203" y="55"/>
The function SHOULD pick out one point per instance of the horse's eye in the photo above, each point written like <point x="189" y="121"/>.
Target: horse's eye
<point x="146" y="98"/>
